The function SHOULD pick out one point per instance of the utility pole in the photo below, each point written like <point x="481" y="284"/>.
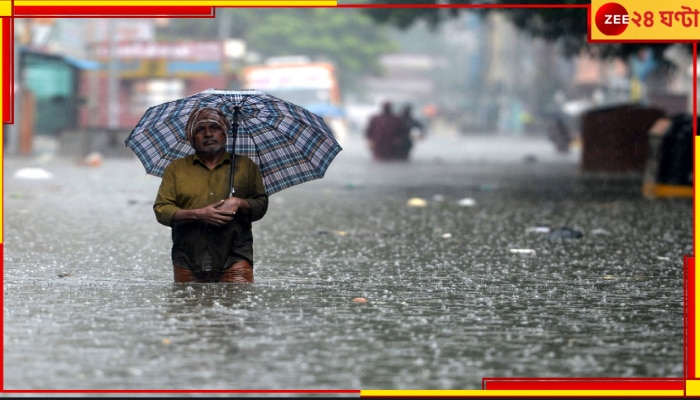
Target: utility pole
<point x="112" y="78"/>
<point x="223" y="33"/>
<point x="93" y="76"/>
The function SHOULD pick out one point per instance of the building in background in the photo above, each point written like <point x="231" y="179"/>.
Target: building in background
<point x="151" y="73"/>
<point x="100" y="75"/>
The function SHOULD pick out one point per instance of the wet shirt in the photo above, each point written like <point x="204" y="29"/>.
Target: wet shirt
<point x="187" y="184"/>
<point x="386" y="130"/>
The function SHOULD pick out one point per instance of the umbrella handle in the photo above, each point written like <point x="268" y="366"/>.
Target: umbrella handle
<point x="234" y="131"/>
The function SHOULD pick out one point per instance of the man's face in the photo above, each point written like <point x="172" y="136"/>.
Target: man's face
<point x="209" y="138"/>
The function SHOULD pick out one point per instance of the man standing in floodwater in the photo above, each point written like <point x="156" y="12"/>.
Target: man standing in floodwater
<point x="211" y="230"/>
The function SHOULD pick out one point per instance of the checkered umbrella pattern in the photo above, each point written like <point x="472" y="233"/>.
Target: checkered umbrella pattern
<point x="289" y="144"/>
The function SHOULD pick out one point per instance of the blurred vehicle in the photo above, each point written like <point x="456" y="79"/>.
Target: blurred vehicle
<point x="297" y="79"/>
<point x="326" y="109"/>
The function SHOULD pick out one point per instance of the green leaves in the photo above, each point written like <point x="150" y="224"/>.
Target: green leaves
<point x="347" y="37"/>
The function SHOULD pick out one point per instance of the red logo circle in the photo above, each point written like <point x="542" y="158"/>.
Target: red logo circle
<point x="611" y="19"/>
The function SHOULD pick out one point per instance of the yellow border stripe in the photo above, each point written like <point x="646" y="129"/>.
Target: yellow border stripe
<point x="509" y="393"/>
<point x="692" y="388"/>
<point x="212" y="3"/>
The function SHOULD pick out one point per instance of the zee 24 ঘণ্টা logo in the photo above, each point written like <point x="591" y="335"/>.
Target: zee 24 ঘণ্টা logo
<point x="612" y="19"/>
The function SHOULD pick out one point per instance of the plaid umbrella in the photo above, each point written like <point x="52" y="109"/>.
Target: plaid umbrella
<point x="289" y="144"/>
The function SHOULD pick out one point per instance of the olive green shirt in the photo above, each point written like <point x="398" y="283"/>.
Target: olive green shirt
<point x="188" y="184"/>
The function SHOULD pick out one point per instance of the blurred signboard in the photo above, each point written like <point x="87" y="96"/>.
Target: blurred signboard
<point x="204" y="50"/>
<point x="122" y="30"/>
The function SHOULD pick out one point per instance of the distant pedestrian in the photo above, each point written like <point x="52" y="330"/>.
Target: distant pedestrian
<point x="416" y="128"/>
<point x="559" y="134"/>
<point x="387" y="135"/>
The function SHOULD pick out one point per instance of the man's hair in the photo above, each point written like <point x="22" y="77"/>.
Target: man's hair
<point x="204" y="115"/>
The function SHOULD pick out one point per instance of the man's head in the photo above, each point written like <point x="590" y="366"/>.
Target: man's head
<point x="206" y="130"/>
<point x="387" y="108"/>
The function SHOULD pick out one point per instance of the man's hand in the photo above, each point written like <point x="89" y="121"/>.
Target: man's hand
<point x="212" y="214"/>
<point x="216" y="214"/>
<point x="233" y="204"/>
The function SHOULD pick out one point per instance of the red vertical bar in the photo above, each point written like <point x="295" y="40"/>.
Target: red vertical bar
<point x="8" y="59"/>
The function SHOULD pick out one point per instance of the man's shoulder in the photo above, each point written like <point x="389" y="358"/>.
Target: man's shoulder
<point x="245" y="162"/>
<point x="183" y="161"/>
<point x="240" y="157"/>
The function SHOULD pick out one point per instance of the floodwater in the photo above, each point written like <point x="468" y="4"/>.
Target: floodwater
<point x="451" y="251"/>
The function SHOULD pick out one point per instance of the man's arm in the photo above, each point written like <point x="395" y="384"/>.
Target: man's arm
<point x="213" y="214"/>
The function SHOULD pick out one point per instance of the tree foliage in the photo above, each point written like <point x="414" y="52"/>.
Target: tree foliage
<point x="347" y="37"/>
<point x="564" y="22"/>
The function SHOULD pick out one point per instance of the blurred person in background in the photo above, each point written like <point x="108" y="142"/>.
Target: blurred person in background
<point x="387" y="135"/>
<point x="559" y="133"/>
<point x="416" y="129"/>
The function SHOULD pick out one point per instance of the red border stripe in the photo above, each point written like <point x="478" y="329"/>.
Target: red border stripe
<point x="8" y="57"/>
<point x="492" y="383"/>
<point x="113" y="11"/>
<point x="583" y="384"/>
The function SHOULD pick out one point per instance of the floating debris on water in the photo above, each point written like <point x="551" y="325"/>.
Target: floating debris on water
<point x="467" y="202"/>
<point x="634" y="277"/>
<point x="326" y="232"/>
<point x="565" y="233"/>
<point x="33" y="173"/>
<point x="353" y="185"/>
<point x="417" y="202"/>
<point x="522" y="251"/>
<point x="446" y="235"/>
<point x="94" y="159"/>
<point x="359" y="300"/>
<point x="537" y="229"/>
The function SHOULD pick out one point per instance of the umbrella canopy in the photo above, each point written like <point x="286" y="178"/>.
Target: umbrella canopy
<point x="289" y="144"/>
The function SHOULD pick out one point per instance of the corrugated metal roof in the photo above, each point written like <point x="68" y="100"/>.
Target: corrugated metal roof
<point x="82" y="64"/>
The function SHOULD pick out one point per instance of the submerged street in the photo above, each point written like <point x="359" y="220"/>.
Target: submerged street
<point x="455" y="252"/>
